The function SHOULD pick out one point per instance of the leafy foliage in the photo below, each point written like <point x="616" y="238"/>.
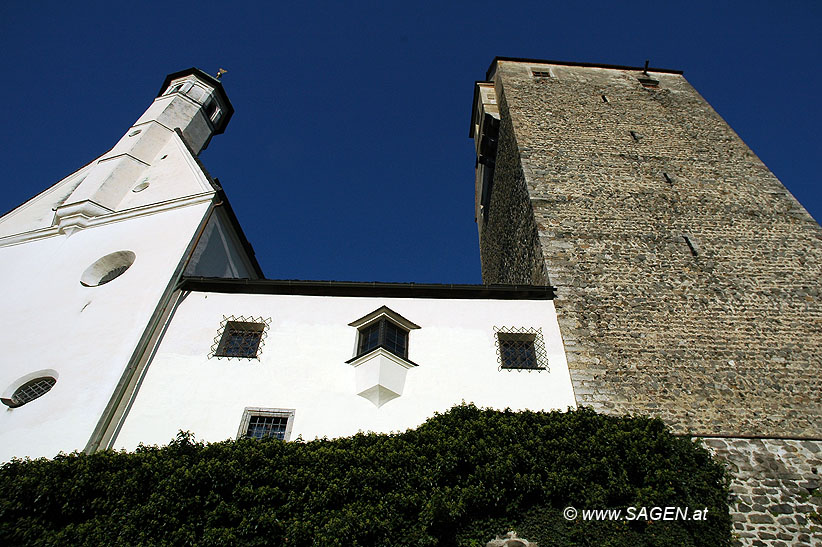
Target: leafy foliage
<point x="459" y="479"/>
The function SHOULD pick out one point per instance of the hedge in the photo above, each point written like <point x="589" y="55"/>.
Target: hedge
<point x="460" y="478"/>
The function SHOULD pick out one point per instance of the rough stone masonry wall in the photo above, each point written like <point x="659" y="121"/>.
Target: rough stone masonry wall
<point x="719" y="334"/>
<point x="776" y="489"/>
<point x="510" y="247"/>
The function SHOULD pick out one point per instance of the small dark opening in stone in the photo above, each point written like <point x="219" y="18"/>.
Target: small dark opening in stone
<point x="690" y="245"/>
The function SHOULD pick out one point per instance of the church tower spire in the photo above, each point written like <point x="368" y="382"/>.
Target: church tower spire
<point x="190" y="102"/>
<point x="193" y="102"/>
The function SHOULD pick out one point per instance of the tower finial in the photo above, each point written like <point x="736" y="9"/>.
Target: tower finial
<point x="644" y="71"/>
<point x="223" y="71"/>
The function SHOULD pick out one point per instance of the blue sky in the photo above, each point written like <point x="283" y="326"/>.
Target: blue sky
<point x="348" y="157"/>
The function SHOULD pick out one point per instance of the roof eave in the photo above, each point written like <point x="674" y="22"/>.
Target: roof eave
<point x="367" y="289"/>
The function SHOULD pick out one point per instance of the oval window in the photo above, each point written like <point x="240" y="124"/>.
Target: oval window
<point x="108" y="268"/>
<point x="140" y="187"/>
<point x="30" y="391"/>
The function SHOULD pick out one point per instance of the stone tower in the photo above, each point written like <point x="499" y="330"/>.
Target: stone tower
<point x="688" y="278"/>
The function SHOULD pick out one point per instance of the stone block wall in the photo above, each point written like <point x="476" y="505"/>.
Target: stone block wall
<point x="776" y="489"/>
<point x="688" y="278"/>
<point x="510" y="247"/>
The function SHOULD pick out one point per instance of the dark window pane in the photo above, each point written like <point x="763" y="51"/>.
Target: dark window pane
<point x="261" y="427"/>
<point x="112" y="274"/>
<point x="384" y="334"/>
<point x="395" y="339"/>
<point x="240" y="339"/>
<point x="369" y="338"/>
<point x="518" y="352"/>
<point x="31" y="390"/>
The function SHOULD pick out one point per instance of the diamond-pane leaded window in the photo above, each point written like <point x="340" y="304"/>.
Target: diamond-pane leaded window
<point x="240" y="338"/>
<point x="520" y="349"/>
<point x="30" y="391"/>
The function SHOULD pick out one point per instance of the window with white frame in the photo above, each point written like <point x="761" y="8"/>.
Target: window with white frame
<point x="265" y="423"/>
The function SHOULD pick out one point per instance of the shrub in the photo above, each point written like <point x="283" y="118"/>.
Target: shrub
<point x="459" y="479"/>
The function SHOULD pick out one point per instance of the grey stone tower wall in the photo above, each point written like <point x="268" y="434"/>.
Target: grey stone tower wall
<point x="688" y="278"/>
<point x="510" y="246"/>
<point x="719" y="333"/>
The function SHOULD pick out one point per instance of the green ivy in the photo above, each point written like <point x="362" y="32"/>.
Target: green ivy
<point x="459" y="479"/>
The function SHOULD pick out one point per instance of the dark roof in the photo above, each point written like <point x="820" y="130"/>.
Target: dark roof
<point x="238" y="229"/>
<point x="212" y="81"/>
<point x="367" y="289"/>
<point x="222" y="201"/>
<point x="568" y="63"/>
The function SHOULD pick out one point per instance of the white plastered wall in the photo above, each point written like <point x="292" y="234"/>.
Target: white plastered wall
<point x="85" y="334"/>
<point x="303" y="366"/>
<point x="38" y="212"/>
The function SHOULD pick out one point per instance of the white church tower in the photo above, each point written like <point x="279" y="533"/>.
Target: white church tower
<point x="90" y="266"/>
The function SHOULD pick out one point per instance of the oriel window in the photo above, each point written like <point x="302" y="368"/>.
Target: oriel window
<point x="383" y="333"/>
<point x="383" y="328"/>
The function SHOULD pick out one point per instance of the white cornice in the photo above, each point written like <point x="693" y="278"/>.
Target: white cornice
<point x="121" y="155"/>
<point x="117" y="216"/>
<point x="381" y="352"/>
